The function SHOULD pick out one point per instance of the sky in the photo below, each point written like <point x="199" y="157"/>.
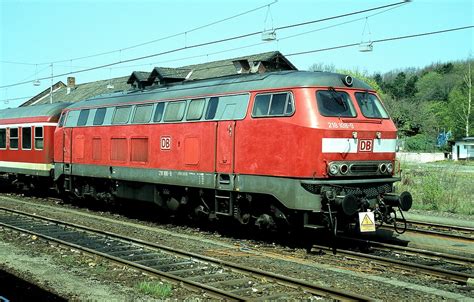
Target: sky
<point x="35" y="33"/>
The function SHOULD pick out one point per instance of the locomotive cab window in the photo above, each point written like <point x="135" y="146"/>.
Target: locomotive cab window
<point x="142" y="114"/>
<point x="14" y="138"/>
<point x="195" y="110"/>
<point x="61" y="120"/>
<point x="335" y="103"/>
<point x="122" y="115"/>
<point x="370" y="105"/>
<point x="26" y="138"/>
<point x="39" y="138"/>
<point x="276" y="104"/>
<point x="3" y="138"/>
<point x="175" y="111"/>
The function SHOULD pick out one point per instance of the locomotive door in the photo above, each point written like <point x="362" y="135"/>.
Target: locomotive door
<point x="67" y="148"/>
<point x="225" y="147"/>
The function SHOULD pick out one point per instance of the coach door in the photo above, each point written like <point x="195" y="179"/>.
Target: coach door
<point x="225" y="150"/>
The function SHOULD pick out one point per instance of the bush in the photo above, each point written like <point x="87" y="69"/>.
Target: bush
<point x="419" y="142"/>
<point x="445" y="189"/>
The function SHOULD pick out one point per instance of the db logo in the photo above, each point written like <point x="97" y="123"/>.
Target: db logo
<point x="365" y="145"/>
<point x="165" y="143"/>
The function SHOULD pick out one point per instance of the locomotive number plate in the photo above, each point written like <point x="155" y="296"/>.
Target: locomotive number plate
<point x="366" y="145"/>
<point x="165" y="143"/>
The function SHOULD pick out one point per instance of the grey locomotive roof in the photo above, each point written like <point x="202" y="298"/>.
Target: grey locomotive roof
<point x="240" y="83"/>
<point x="33" y="111"/>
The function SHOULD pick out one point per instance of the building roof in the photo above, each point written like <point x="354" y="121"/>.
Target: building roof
<point x="269" y="61"/>
<point x="80" y="91"/>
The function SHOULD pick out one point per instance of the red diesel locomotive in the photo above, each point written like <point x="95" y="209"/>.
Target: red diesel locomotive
<point x="289" y="148"/>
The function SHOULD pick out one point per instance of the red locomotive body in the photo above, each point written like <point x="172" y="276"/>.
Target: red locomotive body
<point x="27" y="140"/>
<point x="284" y="148"/>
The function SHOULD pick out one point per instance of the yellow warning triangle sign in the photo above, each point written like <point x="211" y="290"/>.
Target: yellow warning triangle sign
<point x="367" y="220"/>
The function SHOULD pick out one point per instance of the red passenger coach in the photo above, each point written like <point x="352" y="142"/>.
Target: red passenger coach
<point x="27" y="141"/>
<point x="286" y="148"/>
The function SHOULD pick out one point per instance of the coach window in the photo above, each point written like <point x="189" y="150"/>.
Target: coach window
<point x="196" y="107"/>
<point x="26" y="138"/>
<point x="3" y="138"/>
<point x="83" y="116"/>
<point x="160" y="108"/>
<point x="278" y="104"/>
<point x="212" y="108"/>
<point x="335" y="103"/>
<point x="122" y="115"/>
<point x="14" y="138"/>
<point x="39" y="138"/>
<point x="174" y="111"/>
<point x="370" y="105"/>
<point x="142" y="114"/>
<point x="99" y="116"/>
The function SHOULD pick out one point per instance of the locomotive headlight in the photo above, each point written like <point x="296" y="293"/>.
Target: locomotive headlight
<point x="389" y="168"/>
<point x="343" y="169"/>
<point x="333" y="169"/>
<point x="383" y="168"/>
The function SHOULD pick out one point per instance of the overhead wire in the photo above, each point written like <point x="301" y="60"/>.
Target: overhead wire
<point x="381" y="40"/>
<point x="148" y="42"/>
<point x="211" y="42"/>
<point x="351" y="44"/>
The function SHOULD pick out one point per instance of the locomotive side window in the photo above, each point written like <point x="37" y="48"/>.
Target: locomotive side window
<point x="39" y="139"/>
<point x="26" y="138"/>
<point x="370" y="105"/>
<point x="212" y="108"/>
<point x="159" y="112"/>
<point x="196" y="107"/>
<point x="83" y="116"/>
<point x="3" y="138"/>
<point x="335" y="103"/>
<point x="122" y="114"/>
<point x="142" y="114"/>
<point x="175" y="111"/>
<point x="14" y="138"/>
<point x="277" y="104"/>
<point x="99" y="116"/>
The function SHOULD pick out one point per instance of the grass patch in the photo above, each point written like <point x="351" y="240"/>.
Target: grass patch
<point x="155" y="289"/>
<point x="442" y="186"/>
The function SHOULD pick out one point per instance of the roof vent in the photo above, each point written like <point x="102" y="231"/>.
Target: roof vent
<point x="258" y="67"/>
<point x="242" y="66"/>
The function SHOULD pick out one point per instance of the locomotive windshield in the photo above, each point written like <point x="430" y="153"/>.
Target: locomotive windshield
<point x="335" y="103"/>
<point x="370" y="105"/>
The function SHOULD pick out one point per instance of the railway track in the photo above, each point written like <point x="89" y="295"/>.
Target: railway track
<point x="441" y="230"/>
<point x="217" y="278"/>
<point x="459" y="269"/>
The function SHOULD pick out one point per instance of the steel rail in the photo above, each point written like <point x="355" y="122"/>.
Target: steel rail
<point x="459" y="277"/>
<point x="412" y="228"/>
<point x="409" y="250"/>
<point x="341" y="295"/>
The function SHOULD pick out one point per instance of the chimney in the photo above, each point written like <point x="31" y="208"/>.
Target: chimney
<point x="71" y="82"/>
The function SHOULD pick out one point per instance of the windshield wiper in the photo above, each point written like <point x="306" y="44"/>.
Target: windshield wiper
<point x="337" y="97"/>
